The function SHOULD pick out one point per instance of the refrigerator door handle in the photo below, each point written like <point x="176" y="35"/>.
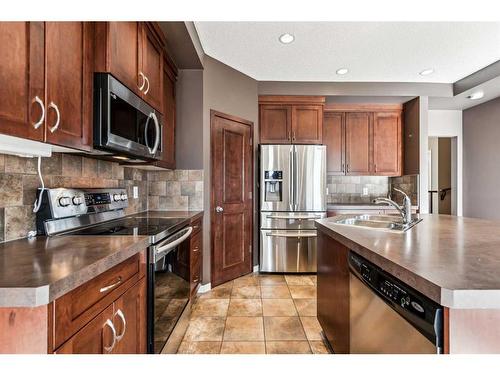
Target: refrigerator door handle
<point x="294" y="181"/>
<point x="291" y="187"/>
<point x="289" y="217"/>
<point x="291" y="234"/>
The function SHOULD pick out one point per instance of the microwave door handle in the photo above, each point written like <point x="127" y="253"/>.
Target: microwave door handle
<point x="158" y="133"/>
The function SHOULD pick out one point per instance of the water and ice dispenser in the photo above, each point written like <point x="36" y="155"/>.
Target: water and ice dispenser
<point x="273" y="181"/>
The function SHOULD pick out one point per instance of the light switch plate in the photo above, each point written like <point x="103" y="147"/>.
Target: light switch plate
<point x="135" y="192"/>
<point x="365" y="191"/>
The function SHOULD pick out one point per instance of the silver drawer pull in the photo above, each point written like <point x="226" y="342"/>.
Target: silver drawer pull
<point x="110" y="324"/>
<point x="195" y="250"/>
<point x="122" y="317"/>
<point x="106" y="288"/>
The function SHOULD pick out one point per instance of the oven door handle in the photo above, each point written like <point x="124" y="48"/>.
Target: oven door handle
<point x="166" y="246"/>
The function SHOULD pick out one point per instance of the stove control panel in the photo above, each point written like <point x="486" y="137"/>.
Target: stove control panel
<point x="64" y="202"/>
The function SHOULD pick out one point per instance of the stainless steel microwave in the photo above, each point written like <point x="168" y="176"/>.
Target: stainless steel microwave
<point x="124" y="124"/>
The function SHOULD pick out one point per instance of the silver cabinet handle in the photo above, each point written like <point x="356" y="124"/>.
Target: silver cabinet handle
<point x="141" y="75"/>
<point x="147" y="89"/>
<point x="195" y="250"/>
<point x="219" y="209"/>
<point x="106" y="288"/>
<point x="110" y="324"/>
<point x="36" y="99"/>
<point x="58" y="121"/>
<point x="122" y="317"/>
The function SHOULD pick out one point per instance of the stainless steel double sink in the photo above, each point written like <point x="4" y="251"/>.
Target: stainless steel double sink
<point x="391" y="223"/>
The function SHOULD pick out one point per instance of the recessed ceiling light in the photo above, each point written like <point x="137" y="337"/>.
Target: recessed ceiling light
<point x="286" y="38"/>
<point x="342" y="71"/>
<point x="476" y="95"/>
<point x="426" y="72"/>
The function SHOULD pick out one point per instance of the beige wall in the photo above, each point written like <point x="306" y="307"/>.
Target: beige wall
<point x="229" y="91"/>
<point x="481" y="146"/>
<point x="189" y="119"/>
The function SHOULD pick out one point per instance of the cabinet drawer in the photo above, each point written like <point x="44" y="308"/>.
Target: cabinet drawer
<point x="195" y="274"/>
<point x="196" y="247"/>
<point x="196" y="224"/>
<point x="76" y="308"/>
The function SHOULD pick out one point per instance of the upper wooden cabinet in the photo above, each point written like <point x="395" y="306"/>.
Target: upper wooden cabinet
<point x="358" y="143"/>
<point x="22" y="97"/>
<point x="387" y="140"/>
<point x="363" y="140"/>
<point x="333" y="138"/>
<point x="133" y="53"/>
<point x="46" y="82"/>
<point x="275" y="123"/>
<point x="291" y="119"/>
<point x="68" y="70"/>
<point x="307" y="124"/>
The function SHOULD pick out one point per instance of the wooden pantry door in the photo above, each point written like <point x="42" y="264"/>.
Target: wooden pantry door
<point x="232" y="202"/>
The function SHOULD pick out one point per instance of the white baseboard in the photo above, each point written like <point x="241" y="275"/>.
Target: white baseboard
<point x="204" y="288"/>
<point x="256" y="268"/>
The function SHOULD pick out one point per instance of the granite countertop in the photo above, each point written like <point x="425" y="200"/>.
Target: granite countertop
<point x="455" y="261"/>
<point x="36" y="271"/>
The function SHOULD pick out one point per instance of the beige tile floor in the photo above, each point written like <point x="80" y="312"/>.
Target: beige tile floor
<point x="256" y="314"/>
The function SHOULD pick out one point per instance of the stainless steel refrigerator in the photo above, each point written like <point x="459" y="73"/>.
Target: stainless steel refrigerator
<point x="292" y="196"/>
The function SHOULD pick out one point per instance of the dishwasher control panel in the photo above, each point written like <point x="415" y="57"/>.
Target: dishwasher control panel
<point x="393" y="290"/>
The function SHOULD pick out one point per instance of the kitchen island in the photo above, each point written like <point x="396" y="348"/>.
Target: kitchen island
<point x="454" y="261"/>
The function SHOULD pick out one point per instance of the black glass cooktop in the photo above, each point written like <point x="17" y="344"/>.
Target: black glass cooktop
<point x="158" y="228"/>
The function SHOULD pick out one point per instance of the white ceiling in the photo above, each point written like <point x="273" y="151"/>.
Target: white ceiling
<point x="372" y="51"/>
<point x="490" y="89"/>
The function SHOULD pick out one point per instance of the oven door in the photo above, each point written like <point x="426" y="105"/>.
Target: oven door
<point x="168" y="287"/>
<point x="123" y="122"/>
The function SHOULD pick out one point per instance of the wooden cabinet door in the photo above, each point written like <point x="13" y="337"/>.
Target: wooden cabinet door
<point x="334" y="139"/>
<point x="275" y="123"/>
<point x="387" y="144"/>
<point x="93" y="338"/>
<point x="152" y="67"/>
<point x="168" y="144"/>
<point x="69" y="62"/>
<point x="22" y="79"/>
<point x="129" y="319"/>
<point x="358" y="143"/>
<point x="123" y="56"/>
<point x="307" y="124"/>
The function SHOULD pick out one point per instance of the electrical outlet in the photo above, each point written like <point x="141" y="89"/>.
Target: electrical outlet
<point x="365" y="191"/>
<point x="135" y="192"/>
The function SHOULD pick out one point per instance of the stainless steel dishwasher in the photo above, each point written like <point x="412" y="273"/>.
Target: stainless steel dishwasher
<point x="389" y="317"/>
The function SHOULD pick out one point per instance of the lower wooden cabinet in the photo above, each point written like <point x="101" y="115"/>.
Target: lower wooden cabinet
<point x="196" y="247"/>
<point x="119" y="329"/>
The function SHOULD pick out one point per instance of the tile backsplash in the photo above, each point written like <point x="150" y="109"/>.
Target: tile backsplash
<point x="349" y="189"/>
<point x="178" y="190"/>
<point x="409" y="184"/>
<point x="173" y="190"/>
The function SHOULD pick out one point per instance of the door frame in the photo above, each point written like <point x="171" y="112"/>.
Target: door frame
<point x="250" y="124"/>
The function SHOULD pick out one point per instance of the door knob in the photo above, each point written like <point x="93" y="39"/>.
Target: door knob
<point x="219" y="209"/>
